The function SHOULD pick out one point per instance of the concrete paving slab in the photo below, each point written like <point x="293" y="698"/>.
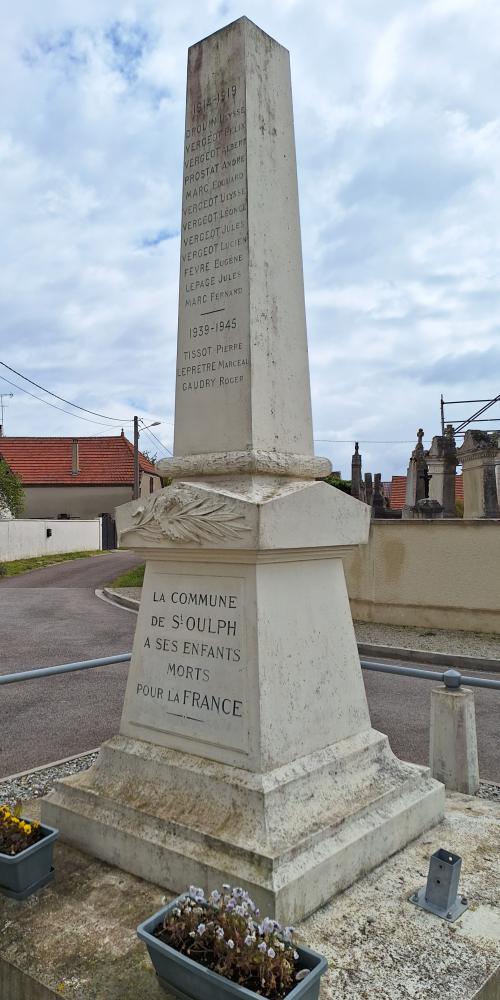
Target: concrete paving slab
<point x="76" y="939"/>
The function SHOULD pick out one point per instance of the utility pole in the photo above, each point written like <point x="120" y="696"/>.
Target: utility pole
<point x="136" y="459"/>
<point x="4" y="395"/>
<point x="156" y="423"/>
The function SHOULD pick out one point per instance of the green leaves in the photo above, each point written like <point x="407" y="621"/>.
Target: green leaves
<point x="11" y="488"/>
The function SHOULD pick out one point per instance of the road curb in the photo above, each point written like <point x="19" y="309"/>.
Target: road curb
<point x="119" y="599"/>
<point x="428" y="656"/>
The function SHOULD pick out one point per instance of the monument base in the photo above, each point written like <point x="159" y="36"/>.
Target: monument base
<point x="293" y="837"/>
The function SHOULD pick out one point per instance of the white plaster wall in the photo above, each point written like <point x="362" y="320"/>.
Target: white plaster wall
<point x="442" y="573"/>
<point x="74" y="501"/>
<point x="22" y="539"/>
<point x="82" y="501"/>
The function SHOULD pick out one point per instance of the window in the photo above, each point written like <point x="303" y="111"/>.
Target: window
<point x="151" y="484"/>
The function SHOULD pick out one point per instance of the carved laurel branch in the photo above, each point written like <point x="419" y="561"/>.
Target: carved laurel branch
<point x="182" y="514"/>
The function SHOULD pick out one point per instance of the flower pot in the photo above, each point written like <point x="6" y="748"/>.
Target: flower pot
<point x="187" y="980"/>
<point x="24" y="873"/>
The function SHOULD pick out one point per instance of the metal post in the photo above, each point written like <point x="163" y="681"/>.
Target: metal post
<point x="136" y="459"/>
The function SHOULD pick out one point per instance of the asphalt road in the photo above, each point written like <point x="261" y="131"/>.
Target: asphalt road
<point x="52" y="616"/>
<point x="401" y="707"/>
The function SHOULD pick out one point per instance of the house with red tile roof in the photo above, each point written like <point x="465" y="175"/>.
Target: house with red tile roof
<point x="398" y="491"/>
<point x="85" y="477"/>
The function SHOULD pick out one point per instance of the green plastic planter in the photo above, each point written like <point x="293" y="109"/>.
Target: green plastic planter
<point x="188" y="980"/>
<point x="24" y="873"/>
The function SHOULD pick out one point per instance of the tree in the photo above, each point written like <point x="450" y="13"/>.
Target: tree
<point x="340" y="484"/>
<point x="11" y="489"/>
<point x="149" y="455"/>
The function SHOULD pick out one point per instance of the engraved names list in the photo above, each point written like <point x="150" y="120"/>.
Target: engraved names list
<point x="213" y="338"/>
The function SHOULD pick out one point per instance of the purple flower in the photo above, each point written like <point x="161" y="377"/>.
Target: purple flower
<point x="262" y="946"/>
<point x="201" y="928"/>
<point x="271" y="953"/>
<point x="219" y="933"/>
<point x="267" y="926"/>
<point x="230" y="943"/>
<point x="197" y="894"/>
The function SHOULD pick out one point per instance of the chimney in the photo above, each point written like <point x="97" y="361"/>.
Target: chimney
<point x="74" y="457"/>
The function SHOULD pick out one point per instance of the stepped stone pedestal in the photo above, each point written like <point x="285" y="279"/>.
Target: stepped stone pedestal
<point x="245" y="752"/>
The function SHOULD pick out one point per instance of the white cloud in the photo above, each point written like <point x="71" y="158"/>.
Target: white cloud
<point x="398" y="142"/>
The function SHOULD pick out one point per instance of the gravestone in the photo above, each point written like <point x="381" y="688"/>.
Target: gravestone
<point x="245" y="751"/>
<point x="368" y="488"/>
<point x="356" y="473"/>
<point x="442" y="465"/>
<point x="480" y="457"/>
<point x="417" y="486"/>
<point x="378" y="499"/>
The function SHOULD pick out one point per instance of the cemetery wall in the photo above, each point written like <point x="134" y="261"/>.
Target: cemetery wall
<point x="23" y="539"/>
<point x="442" y="574"/>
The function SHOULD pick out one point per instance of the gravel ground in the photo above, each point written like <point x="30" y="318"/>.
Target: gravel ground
<point x="40" y="782"/>
<point x="438" y="640"/>
<point x="451" y="641"/>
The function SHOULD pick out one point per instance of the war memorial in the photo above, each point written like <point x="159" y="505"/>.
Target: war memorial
<point x="245" y="752"/>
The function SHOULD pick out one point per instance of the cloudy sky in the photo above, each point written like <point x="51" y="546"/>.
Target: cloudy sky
<point x="398" y="146"/>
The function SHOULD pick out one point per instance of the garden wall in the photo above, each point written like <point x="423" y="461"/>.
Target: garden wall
<point x="22" y="539"/>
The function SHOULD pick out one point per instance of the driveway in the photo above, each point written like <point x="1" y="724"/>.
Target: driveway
<point x="50" y="616"/>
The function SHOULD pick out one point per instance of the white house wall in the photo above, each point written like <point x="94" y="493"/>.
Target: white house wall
<point x="22" y="539"/>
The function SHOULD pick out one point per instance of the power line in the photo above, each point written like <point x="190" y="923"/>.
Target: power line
<point x="61" y="398"/>
<point x="150" y="432"/>
<point x="75" y="416"/>
<point x="353" y="441"/>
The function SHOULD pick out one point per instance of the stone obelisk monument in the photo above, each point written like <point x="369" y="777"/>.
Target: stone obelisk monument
<point x="245" y="751"/>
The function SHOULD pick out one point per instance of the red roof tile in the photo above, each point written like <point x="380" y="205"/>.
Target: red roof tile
<point x="44" y="461"/>
<point x="398" y="491"/>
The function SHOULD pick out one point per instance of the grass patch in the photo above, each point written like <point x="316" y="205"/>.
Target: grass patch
<point x="36" y="562"/>
<point x="132" y="578"/>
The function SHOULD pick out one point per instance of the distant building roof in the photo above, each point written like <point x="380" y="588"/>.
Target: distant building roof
<point x="47" y="461"/>
<point x="398" y="491"/>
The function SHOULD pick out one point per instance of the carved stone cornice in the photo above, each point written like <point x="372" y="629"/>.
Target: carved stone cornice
<point x="246" y="462"/>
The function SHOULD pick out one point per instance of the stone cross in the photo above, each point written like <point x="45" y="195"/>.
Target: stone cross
<point x="415" y="478"/>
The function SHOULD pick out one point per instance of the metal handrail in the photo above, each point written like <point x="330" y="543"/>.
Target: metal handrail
<point x="450" y="678"/>
<point x="64" y="668"/>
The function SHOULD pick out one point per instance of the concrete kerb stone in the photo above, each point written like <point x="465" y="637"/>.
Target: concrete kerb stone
<point x="425" y="656"/>
<point x="116" y="598"/>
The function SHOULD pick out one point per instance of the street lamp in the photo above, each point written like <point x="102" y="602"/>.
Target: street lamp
<point x="155" y="423"/>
